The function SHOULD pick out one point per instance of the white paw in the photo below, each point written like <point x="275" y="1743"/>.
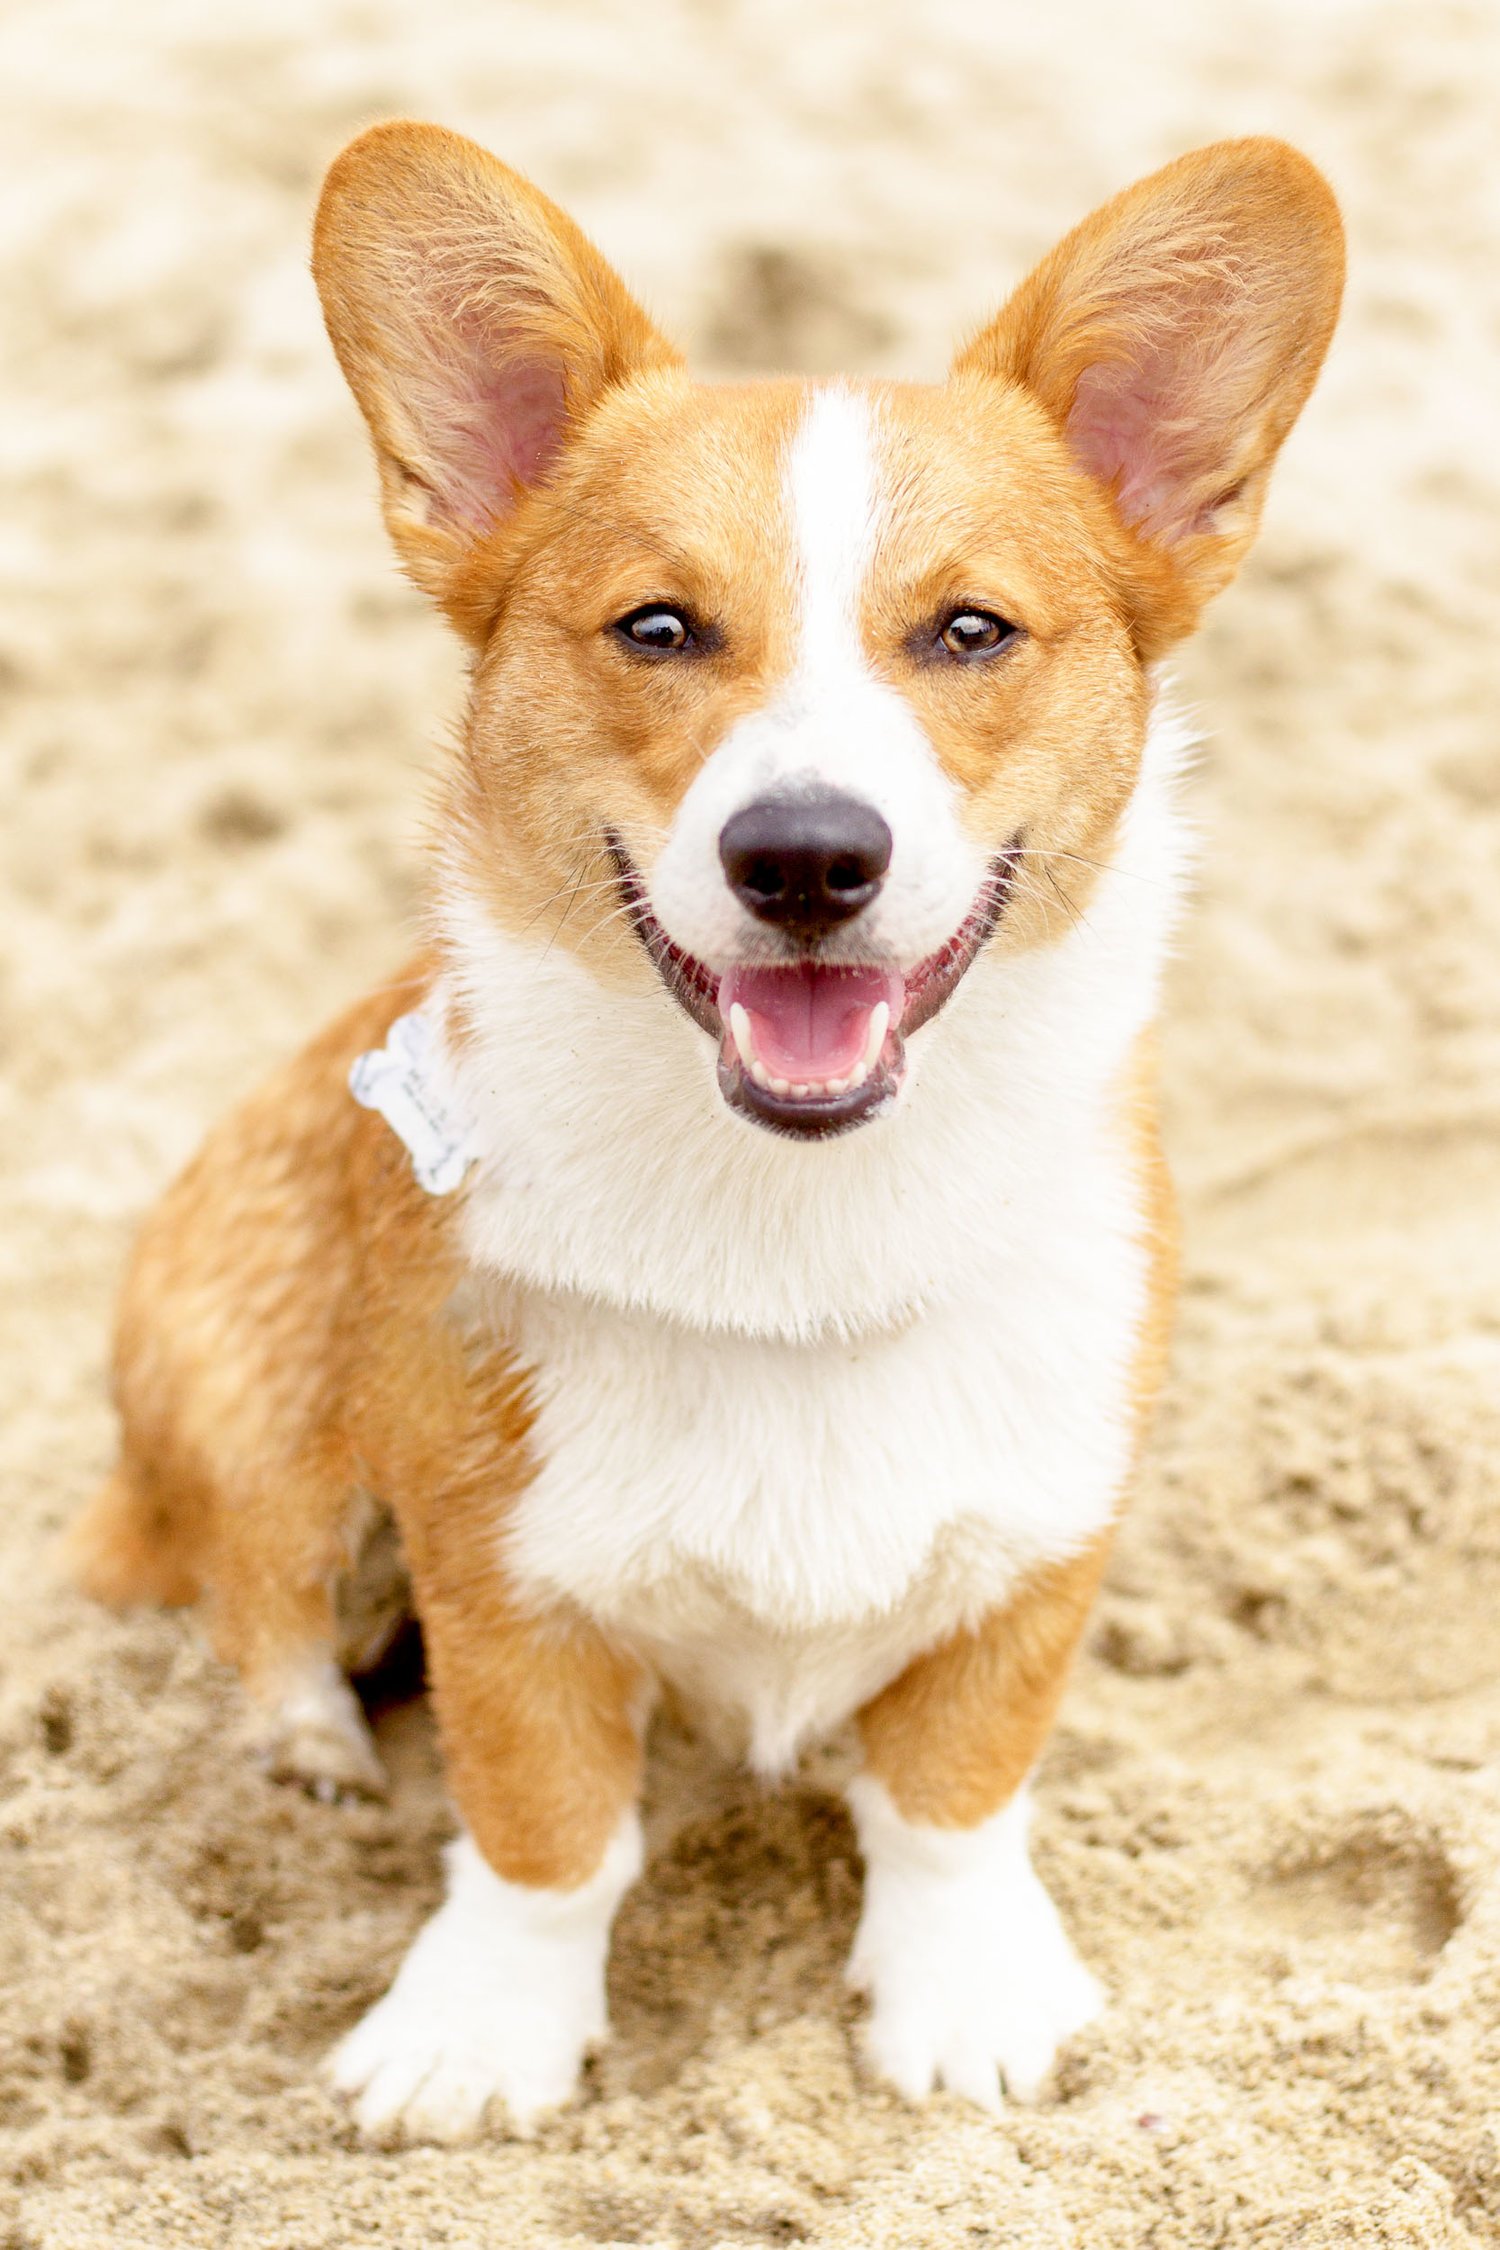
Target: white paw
<point x="441" y="2046"/>
<point x="973" y="1984"/>
<point x="496" y="2003"/>
<point x="315" y="1734"/>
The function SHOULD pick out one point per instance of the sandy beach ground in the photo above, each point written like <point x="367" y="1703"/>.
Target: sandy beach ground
<point x="1272" y="1808"/>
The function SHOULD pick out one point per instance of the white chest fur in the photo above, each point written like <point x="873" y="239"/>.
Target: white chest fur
<point x="803" y="1410"/>
<point x="779" y="1526"/>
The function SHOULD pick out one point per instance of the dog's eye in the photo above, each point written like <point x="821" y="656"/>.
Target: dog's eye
<point x="655" y="628"/>
<point x="975" y="632"/>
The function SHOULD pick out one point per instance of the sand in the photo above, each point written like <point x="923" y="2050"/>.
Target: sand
<point x="1272" y="1808"/>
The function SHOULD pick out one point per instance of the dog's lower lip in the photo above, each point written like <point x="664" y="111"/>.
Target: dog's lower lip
<point x="811" y="1108"/>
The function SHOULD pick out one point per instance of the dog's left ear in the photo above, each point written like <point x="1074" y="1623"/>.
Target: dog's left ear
<point x="1173" y="338"/>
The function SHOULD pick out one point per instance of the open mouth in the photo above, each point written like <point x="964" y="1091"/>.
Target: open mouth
<point x="809" y="1047"/>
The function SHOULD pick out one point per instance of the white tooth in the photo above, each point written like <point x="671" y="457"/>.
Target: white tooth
<point x="880" y="1024"/>
<point x="762" y="1076"/>
<point x="856" y="1077"/>
<point x="780" y="1085"/>
<point x="739" y="1032"/>
<point x="838" y="1085"/>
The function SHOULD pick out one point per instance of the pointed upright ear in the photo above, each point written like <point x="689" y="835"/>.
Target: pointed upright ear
<point x="1173" y="338"/>
<point x="477" y="328"/>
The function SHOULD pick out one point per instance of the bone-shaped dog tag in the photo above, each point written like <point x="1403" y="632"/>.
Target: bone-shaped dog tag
<point x="405" y="1081"/>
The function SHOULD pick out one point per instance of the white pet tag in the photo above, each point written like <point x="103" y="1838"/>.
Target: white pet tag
<point x="405" y="1081"/>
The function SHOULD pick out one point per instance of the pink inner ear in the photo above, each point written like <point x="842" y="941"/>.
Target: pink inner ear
<point x="499" y="428"/>
<point x="1132" y="426"/>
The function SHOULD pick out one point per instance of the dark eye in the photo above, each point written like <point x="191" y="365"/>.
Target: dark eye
<point x="656" y="628"/>
<point x="975" y="632"/>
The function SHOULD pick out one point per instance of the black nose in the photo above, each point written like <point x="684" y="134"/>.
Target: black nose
<point x="805" y="862"/>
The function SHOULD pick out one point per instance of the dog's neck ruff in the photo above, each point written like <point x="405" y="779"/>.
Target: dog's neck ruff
<point x="605" y="1162"/>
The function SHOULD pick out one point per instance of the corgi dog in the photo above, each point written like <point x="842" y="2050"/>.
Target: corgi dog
<point x="736" y="1253"/>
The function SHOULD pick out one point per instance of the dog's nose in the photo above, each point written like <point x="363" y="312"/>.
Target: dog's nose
<point x="807" y="862"/>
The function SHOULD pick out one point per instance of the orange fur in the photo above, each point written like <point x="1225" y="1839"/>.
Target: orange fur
<point x="240" y="1328"/>
<point x="955" y="1736"/>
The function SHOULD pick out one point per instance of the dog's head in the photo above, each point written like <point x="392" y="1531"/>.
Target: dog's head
<point x="793" y="697"/>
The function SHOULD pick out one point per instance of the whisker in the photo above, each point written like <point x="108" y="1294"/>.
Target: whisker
<point x="619" y="913"/>
<point x="562" y="918"/>
<point x="579" y="891"/>
<point x="1102" y="866"/>
<point x="1080" y="920"/>
<point x="1039" y="897"/>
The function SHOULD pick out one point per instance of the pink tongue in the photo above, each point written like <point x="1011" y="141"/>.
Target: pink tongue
<point x="809" y="1022"/>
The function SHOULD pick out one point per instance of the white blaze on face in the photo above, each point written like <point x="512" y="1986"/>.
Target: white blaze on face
<point x="832" y="723"/>
<point x="834" y="509"/>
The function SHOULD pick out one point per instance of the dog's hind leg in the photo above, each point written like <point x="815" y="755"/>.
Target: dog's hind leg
<point x="273" y="1610"/>
<point x="270" y="1564"/>
<point x="127" y="1546"/>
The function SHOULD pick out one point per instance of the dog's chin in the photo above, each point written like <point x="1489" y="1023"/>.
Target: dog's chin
<point x="807" y="1047"/>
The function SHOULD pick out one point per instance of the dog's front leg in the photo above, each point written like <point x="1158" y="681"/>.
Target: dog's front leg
<point x="503" y="1989"/>
<point x="972" y="1981"/>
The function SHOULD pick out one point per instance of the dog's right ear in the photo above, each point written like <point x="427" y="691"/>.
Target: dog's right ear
<point x="477" y="328"/>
